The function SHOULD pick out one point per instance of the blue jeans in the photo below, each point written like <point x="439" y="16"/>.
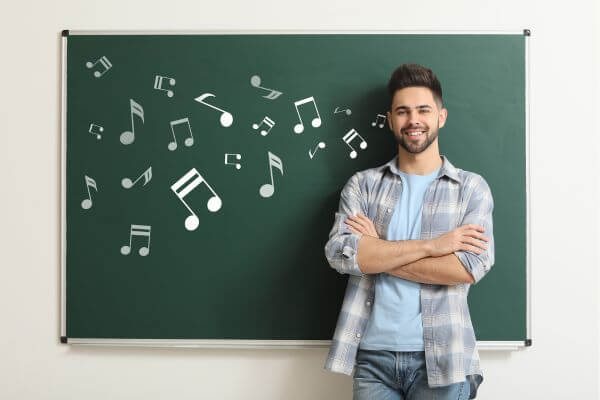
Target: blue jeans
<point x="392" y="375"/>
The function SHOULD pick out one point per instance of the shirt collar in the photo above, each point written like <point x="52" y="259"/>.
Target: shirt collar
<point x="446" y="169"/>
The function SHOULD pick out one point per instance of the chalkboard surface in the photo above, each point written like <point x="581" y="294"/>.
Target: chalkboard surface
<point x="197" y="205"/>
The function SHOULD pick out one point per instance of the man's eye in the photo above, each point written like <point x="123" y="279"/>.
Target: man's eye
<point x="425" y="111"/>
<point x="401" y="112"/>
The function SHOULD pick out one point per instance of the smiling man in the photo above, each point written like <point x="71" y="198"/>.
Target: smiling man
<point x="413" y="234"/>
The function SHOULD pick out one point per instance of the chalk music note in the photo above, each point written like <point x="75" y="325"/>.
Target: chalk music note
<point x="226" y="118"/>
<point x="347" y="111"/>
<point x="188" y="141"/>
<point x="182" y="188"/>
<point x="158" y="81"/>
<point x="147" y="175"/>
<point x="255" y="81"/>
<point x="128" y="137"/>
<point x="94" y="129"/>
<point x="268" y="189"/>
<point x="316" y="122"/>
<point x="138" y="230"/>
<point x="321" y="145"/>
<point x="267" y="121"/>
<point x="103" y="61"/>
<point x="237" y="156"/>
<point x="348" y="137"/>
<point x="89" y="183"/>
<point x="383" y="118"/>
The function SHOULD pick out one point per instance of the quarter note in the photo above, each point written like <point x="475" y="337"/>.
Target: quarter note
<point x="147" y="175"/>
<point x="158" y="82"/>
<point x="267" y="121"/>
<point x="321" y="145"/>
<point x="128" y="137"/>
<point x="106" y="64"/>
<point x="348" y="137"/>
<point x="383" y="117"/>
<point x="255" y="81"/>
<point x="237" y="156"/>
<point x="316" y="122"/>
<point x="226" y="118"/>
<point x="95" y="129"/>
<point x="188" y="141"/>
<point x="184" y="186"/>
<point x="347" y="111"/>
<point x="138" y="230"/>
<point x="86" y="204"/>
<point x="268" y="189"/>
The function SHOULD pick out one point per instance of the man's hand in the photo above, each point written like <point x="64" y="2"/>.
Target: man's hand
<point x="466" y="237"/>
<point x="361" y="224"/>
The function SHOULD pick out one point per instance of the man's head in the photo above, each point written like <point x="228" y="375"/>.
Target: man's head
<point x="416" y="106"/>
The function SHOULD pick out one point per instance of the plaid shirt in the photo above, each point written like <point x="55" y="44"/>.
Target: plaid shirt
<point x="455" y="198"/>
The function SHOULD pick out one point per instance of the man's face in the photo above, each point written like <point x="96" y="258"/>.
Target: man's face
<point x="415" y="118"/>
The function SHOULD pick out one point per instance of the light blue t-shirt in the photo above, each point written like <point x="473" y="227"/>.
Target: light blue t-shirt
<point x="395" y="323"/>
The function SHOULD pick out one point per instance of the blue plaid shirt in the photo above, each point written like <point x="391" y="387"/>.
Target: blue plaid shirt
<point x="455" y="198"/>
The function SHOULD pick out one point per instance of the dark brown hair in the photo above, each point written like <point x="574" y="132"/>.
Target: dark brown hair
<point x="408" y="75"/>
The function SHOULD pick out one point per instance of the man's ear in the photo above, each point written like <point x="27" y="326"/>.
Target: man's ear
<point x="442" y="117"/>
<point x="389" y="121"/>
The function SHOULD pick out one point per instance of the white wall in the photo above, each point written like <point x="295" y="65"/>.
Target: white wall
<point x="33" y="365"/>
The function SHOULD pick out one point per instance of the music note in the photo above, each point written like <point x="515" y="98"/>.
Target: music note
<point x="347" y="111"/>
<point x="94" y="129"/>
<point x="188" y="141"/>
<point x="383" y="117"/>
<point x="348" y="137"/>
<point x="213" y="204"/>
<point x="226" y="118"/>
<point x="127" y="184"/>
<point x="89" y="182"/>
<point x="138" y="230"/>
<point x="255" y="81"/>
<point x="128" y="137"/>
<point x="321" y="145"/>
<point x="267" y="121"/>
<point x="158" y="81"/>
<point x="316" y="122"/>
<point x="105" y="63"/>
<point x="268" y="189"/>
<point x="237" y="156"/>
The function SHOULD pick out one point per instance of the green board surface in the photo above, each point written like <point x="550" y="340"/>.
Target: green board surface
<point x="254" y="268"/>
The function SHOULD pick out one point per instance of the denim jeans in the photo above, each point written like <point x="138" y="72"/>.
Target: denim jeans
<point x="392" y="375"/>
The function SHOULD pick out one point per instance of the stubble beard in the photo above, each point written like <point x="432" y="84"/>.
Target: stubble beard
<point x="430" y="137"/>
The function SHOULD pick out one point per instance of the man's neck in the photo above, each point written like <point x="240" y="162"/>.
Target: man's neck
<point x="419" y="164"/>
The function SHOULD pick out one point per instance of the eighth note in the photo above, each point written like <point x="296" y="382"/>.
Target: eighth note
<point x="383" y="117"/>
<point x="128" y="137"/>
<point x="226" y="118"/>
<point x="348" y="137"/>
<point x="127" y="184"/>
<point x="138" y="230"/>
<point x="268" y="122"/>
<point x="158" y="81"/>
<point x="316" y="122"/>
<point x="87" y="203"/>
<point x="321" y="145"/>
<point x="213" y="204"/>
<point x="268" y="189"/>
<point x="237" y="156"/>
<point x="94" y="128"/>
<point x="103" y="61"/>
<point x="347" y="111"/>
<point x="188" y="141"/>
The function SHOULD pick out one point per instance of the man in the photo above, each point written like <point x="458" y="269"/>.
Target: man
<point x="413" y="234"/>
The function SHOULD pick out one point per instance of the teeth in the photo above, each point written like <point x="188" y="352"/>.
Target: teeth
<point x="415" y="133"/>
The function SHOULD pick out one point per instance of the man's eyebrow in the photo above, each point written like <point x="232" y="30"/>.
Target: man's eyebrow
<point x="408" y="108"/>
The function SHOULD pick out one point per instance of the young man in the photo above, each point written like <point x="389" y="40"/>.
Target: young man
<point x="413" y="234"/>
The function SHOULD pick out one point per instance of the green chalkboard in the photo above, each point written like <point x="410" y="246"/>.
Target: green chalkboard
<point x="137" y="264"/>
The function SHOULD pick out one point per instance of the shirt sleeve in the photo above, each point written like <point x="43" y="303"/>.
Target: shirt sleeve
<point x="342" y="247"/>
<point x="479" y="212"/>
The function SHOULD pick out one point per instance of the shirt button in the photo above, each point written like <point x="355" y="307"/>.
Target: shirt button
<point x="358" y="335"/>
<point x="368" y="303"/>
<point x="389" y="210"/>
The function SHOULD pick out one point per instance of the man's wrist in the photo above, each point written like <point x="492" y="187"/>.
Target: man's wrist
<point x="428" y="247"/>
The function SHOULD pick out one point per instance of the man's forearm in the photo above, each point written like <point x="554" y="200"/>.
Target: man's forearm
<point x="377" y="255"/>
<point x="445" y="270"/>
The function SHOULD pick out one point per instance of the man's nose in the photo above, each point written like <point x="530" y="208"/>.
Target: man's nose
<point x="413" y="118"/>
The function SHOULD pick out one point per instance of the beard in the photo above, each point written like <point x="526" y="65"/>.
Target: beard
<point x="418" y="147"/>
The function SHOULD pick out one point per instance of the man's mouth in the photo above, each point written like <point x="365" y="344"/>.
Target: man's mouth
<point x="414" y="134"/>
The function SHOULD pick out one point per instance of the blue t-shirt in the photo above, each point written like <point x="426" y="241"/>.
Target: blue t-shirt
<point x="395" y="323"/>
